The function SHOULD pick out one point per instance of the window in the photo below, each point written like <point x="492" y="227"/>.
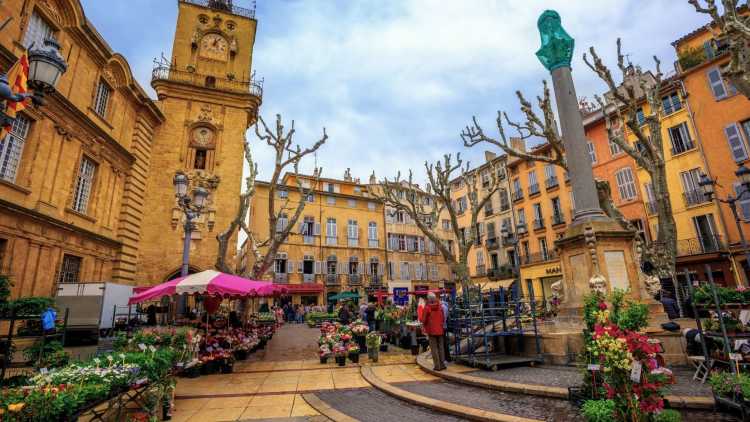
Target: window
<point x="680" y="138"/>
<point x="331" y="265"/>
<point x="592" y="152"/>
<point x="331" y="200"/>
<point x="462" y="205"/>
<point x="282" y="222"/>
<point x="716" y="82"/>
<point x="557" y="214"/>
<point x="480" y="257"/>
<point x="640" y="117"/>
<point x="538" y="217"/>
<point x="533" y="183"/>
<point x="521" y="217"/>
<point x="331" y="231"/>
<point x="351" y="203"/>
<point x="283" y="193"/>
<point x="550" y="177"/>
<point x="572" y="203"/>
<point x="11" y="148"/>
<point x="103" y="92"/>
<point x="372" y="234"/>
<point x="626" y="184"/>
<point x="353" y="233"/>
<point x="309" y="197"/>
<point x="517" y="192"/>
<point x="485" y="178"/>
<point x="543" y="250"/>
<point x="614" y="149"/>
<point x="525" y="248"/>
<point x="400" y="217"/>
<point x="744" y="203"/>
<point x="691" y="187"/>
<point x="70" y="270"/>
<point x="37" y="31"/>
<point x="280" y="262"/>
<point x="671" y="103"/>
<point x="736" y="144"/>
<point x="84" y="184"/>
<point x="308" y="227"/>
<point x="404" y="270"/>
<point x="446" y="224"/>
<point x="371" y="206"/>
<point x="650" y="198"/>
<point x="199" y="163"/>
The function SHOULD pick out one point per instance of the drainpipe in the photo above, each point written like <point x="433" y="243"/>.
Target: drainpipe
<point x="708" y="171"/>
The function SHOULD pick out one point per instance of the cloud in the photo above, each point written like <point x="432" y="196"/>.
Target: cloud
<point x="394" y="81"/>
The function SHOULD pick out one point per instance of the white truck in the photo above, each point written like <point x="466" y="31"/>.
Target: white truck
<point x="93" y="308"/>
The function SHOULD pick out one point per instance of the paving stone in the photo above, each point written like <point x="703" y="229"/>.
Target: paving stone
<point x="370" y="405"/>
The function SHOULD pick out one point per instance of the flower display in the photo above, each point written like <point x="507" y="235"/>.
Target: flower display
<point x="339" y="350"/>
<point x="359" y="328"/>
<point x="324" y="351"/>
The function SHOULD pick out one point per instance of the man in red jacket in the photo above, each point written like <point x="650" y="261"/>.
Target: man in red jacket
<point x="432" y="324"/>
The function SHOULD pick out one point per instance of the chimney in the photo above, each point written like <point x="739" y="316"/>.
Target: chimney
<point x="518" y="143"/>
<point x="489" y="156"/>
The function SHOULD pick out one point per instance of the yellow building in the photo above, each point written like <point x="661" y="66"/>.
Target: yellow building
<point x="542" y="202"/>
<point x="209" y="99"/>
<point x="488" y="260"/>
<point x="73" y="172"/>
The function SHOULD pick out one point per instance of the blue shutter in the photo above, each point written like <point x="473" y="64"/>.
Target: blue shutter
<point x="736" y="144"/>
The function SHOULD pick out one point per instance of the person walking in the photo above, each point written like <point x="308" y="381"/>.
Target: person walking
<point x="345" y="316"/>
<point x="370" y="316"/>
<point x="446" y="346"/>
<point x="432" y="320"/>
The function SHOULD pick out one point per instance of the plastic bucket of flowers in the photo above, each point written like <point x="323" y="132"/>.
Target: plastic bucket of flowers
<point x="353" y="351"/>
<point x="339" y="352"/>
<point x="373" y="346"/>
<point x="360" y="330"/>
<point x="324" y="353"/>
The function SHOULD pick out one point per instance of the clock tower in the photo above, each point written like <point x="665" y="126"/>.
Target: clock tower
<point x="208" y="94"/>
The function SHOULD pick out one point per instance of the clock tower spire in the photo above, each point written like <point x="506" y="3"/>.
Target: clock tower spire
<point x="210" y="97"/>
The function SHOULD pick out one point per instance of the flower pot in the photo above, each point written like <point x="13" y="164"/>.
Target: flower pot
<point x="341" y="360"/>
<point x="361" y="343"/>
<point x="373" y="354"/>
<point x="324" y="359"/>
<point x="227" y="367"/>
<point x="240" y="354"/>
<point x="383" y="347"/>
<point x="354" y="357"/>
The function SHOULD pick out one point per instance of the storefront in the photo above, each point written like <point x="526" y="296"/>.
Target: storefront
<point x="540" y="278"/>
<point x="305" y="293"/>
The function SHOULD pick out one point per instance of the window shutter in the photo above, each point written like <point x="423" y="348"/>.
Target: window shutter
<point x="380" y="269"/>
<point x="744" y="204"/>
<point x="301" y="228"/>
<point x="317" y="229"/>
<point x="318" y="267"/>
<point x="361" y="268"/>
<point x="736" y="144"/>
<point x="300" y="266"/>
<point x="717" y="83"/>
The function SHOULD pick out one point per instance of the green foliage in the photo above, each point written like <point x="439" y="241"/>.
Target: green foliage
<point x="47" y="354"/>
<point x="691" y="57"/>
<point x="704" y="296"/>
<point x="5" y="285"/>
<point x="626" y="313"/>
<point x="598" y="410"/>
<point x="26" y="306"/>
<point x="668" y="415"/>
<point x="373" y="340"/>
<point x="726" y="383"/>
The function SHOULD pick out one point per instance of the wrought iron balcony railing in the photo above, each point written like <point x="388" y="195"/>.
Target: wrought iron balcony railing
<point x="308" y="278"/>
<point x="376" y="280"/>
<point x="492" y="243"/>
<point x="480" y="270"/>
<point x="281" y="278"/>
<point x="533" y="189"/>
<point x="501" y="273"/>
<point x="517" y="195"/>
<point x="225" y="6"/>
<point x="694" y="197"/>
<point x="538" y="223"/>
<point x="504" y="205"/>
<point x="162" y="72"/>
<point x="700" y="245"/>
<point x="538" y="257"/>
<point x="332" y="280"/>
<point x="558" y="218"/>
<point x="551" y="182"/>
<point x="355" y="279"/>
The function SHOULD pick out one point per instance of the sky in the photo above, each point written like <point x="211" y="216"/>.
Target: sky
<point x="395" y="81"/>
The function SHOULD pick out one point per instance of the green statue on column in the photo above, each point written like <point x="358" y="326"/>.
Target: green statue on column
<point x="557" y="45"/>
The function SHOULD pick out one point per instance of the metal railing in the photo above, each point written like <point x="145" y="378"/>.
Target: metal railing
<point x="355" y="279"/>
<point x="538" y="257"/>
<point x="376" y="280"/>
<point x="332" y="240"/>
<point x="517" y="195"/>
<point x="163" y="72"/>
<point x="694" y="197"/>
<point x="504" y="206"/>
<point x="308" y="278"/>
<point x="501" y="273"/>
<point x="492" y="243"/>
<point x="281" y="278"/>
<point x="650" y="208"/>
<point x="533" y="189"/>
<point x="700" y="245"/>
<point x="480" y="270"/>
<point x="224" y="6"/>
<point x="510" y="240"/>
<point x="558" y="218"/>
<point x="683" y="147"/>
<point x="332" y="280"/>
<point x="551" y="182"/>
<point x="488" y="211"/>
<point x="538" y="223"/>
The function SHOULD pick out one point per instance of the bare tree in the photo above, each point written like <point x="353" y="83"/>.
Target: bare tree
<point x="287" y="155"/>
<point x="426" y="207"/>
<point x="621" y="110"/>
<point x="733" y="28"/>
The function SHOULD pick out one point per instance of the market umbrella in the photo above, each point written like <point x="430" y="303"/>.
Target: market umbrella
<point x="210" y="282"/>
<point x="345" y="296"/>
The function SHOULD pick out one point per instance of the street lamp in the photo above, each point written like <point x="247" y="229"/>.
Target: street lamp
<point x="191" y="206"/>
<point x="46" y="65"/>
<point x="707" y="186"/>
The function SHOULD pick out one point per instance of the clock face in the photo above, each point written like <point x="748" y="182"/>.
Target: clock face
<point x="214" y="46"/>
<point x="203" y="137"/>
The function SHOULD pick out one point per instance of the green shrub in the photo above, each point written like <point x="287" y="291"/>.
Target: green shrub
<point x="668" y="415"/>
<point x="598" y="410"/>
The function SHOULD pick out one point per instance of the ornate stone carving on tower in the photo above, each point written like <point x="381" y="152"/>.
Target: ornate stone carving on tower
<point x="209" y="98"/>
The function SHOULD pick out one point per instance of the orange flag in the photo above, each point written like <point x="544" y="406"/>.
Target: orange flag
<point x="18" y="76"/>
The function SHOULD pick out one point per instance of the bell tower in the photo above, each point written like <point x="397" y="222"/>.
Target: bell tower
<point x="209" y="97"/>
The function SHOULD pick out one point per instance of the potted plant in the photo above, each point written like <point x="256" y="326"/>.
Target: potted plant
<point x="360" y="330"/>
<point x="324" y="352"/>
<point x="226" y="365"/>
<point x="353" y="351"/>
<point x="373" y="346"/>
<point x="339" y="352"/>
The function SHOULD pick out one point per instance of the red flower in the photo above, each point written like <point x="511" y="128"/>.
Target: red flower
<point x="611" y="393"/>
<point x="602" y="306"/>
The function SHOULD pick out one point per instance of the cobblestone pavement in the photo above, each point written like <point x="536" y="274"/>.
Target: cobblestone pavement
<point x="371" y="405"/>
<point x="291" y="342"/>
<point x="566" y="376"/>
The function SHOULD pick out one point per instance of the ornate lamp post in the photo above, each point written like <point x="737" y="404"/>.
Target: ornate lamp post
<point x="707" y="186"/>
<point x="46" y="65"/>
<point x="191" y="207"/>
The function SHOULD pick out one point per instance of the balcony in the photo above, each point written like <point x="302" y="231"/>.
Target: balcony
<point x="492" y="243"/>
<point x="281" y="278"/>
<point x="551" y="182"/>
<point x="502" y="273"/>
<point x="504" y="206"/>
<point x="355" y="280"/>
<point x="684" y="146"/>
<point x="376" y="280"/>
<point x="164" y="72"/>
<point x="694" y="197"/>
<point x="517" y="195"/>
<point x="223" y="6"/>
<point x="539" y="257"/>
<point x="651" y="208"/>
<point x="480" y="271"/>
<point x="332" y="280"/>
<point x="539" y="223"/>
<point x="332" y="241"/>
<point x="308" y="278"/>
<point x="700" y="245"/>
<point x="533" y="189"/>
<point x="558" y="218"/>
<point x="353" y="242"/>
<point x="510" y="240"/>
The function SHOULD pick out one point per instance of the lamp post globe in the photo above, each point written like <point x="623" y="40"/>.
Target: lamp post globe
<point x="46" y="65"/>
<point x="199" y="197"/>
<point x="180" y="183"/>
